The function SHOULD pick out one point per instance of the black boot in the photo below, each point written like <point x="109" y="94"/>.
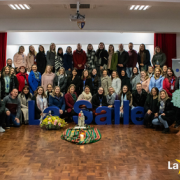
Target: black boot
<point x="166" y="130"/>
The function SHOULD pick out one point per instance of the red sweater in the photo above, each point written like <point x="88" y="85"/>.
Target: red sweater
<point x="132" y="59"/>
<point x="167" y="86"/>
<point x="79" y="57"/>
<point x="69" y="102"/>
<point x="21" y="80"/>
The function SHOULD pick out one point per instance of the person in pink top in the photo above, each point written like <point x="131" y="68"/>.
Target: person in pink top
<point x="145" y="80"/>
<point x="47" y="77"/>
<point x="31" y="56"/>
<point x="19" y="58"/>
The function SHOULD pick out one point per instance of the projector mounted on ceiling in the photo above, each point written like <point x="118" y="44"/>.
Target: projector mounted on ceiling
<point x="77" y="17"/>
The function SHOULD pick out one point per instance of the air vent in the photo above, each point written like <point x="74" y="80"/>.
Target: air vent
<point x="82" y="6"/>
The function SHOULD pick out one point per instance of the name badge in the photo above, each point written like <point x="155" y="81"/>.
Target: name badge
<point x="172" y="87"/>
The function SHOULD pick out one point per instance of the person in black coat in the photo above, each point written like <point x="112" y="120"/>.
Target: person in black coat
<point x="139" y="96"/>
<point x="96" y="81"/>
<point x="41" y="60"/>
<point x="143" y="58"/>
<point x="61" y="80"/>
<point x="101" y="59"/>
<point x="2" y="115"/>
<point x="85" y="81"/>
<point x="165" y="115"/>
<point x="151" y="107"/>
<point x="8" y="82"/>
<point x="99" y="99"/>
<point x="74" y="79"/>
<point x="125" y="80"/>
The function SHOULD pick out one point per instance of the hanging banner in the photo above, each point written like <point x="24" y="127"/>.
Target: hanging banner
<point x="81" y="24"/>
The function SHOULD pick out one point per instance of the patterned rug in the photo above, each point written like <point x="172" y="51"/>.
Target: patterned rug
<point x="81" y="136"/>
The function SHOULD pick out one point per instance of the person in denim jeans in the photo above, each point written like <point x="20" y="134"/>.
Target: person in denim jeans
<point x="13" y="109"/>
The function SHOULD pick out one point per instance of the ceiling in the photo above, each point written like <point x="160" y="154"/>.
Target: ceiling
<point x="103" y="15"/>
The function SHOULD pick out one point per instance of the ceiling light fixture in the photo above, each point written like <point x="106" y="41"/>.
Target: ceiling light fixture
<point x="141" y="7"/>
<point x="146" y="7"/>
<point x="26" y="6"/>
<point x="136" y="8"/>
<point x="17" y="6"/>
<point x="22" y="7"/>
<point x="12" y="7"/>
<point x="132" y="7"/>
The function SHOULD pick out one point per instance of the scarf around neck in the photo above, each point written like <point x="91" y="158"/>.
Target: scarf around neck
<point x="86" y="96"/>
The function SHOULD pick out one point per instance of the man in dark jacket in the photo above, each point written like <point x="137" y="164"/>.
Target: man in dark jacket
<point x="2" y="115"/>
<point x="139" y="96"/>
<point x="132" y="60"/>
<point x="79" y="59"/>
<point x="123" y="58"/>
<point x="13" y="108"/>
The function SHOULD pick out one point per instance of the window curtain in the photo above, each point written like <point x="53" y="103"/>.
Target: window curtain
<point x="3" y="45"/>
<point x="167" y="43"/>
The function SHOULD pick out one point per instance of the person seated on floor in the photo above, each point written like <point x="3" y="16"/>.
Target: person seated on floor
<point x="151" y="107"/>
<point x="48" y="91"/>
<point x="111" y="97"/>
<point x="145" y="80"/>
<point x="70" y="99"/>
<point x="2" y="115"/>
<point x="13" y="109"/>
<point x="125" y="80"/>
<point x="139" y="96"/>
<point x="24" y="97"/>
<point x="56" y="98"/>
<point x="34" y="79"/>
<point x="40" y="102"/>
<point x="85" y="95"/>
<point x="99" y="99"/>
<point x="156" y="80"/>
<point x="150" y="71"/>
<point x="61" y="80"/>
<point x="125" y="95"/>
<point x="165" y="115"/>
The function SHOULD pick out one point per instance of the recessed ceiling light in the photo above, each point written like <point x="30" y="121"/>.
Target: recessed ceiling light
<point x="141" y="7"/>
<point x="136" y="8"/>
<point x="19" y="6"/>
<point x="12" y="6"/>
<point x="132" y="7"/>
<point x="146" y="7"/>
<point x="22" y="7"/>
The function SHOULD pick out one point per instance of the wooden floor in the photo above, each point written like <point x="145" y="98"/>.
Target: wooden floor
<point x="125" y="152"/>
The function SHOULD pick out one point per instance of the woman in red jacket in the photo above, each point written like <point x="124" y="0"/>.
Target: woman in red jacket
<point x="70" y="99"/>
<point x="169" y="82"/>
<point x="22" y="78"/>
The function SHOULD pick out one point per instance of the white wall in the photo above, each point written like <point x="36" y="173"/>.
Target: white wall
<point x="63" y="39"/>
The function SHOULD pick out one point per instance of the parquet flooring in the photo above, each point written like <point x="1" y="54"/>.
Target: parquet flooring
<point x="125" y="152"/>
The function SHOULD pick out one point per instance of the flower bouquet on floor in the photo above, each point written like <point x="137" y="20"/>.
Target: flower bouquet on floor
<point x="53" y="122"/>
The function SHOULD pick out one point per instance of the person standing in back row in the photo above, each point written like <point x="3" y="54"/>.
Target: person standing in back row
<point x="79" y="59"/>
<point x="143" y="58"/>
<point x="119" y="60"/>
<point x="132" y="60"/>
<point x="51" y="56"/>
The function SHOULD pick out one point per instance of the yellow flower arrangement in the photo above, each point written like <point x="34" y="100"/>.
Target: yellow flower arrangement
<point x="53" y="122"/>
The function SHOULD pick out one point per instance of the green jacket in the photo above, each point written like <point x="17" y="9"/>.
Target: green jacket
<point x="114" y="62"/>
<point x="161" y="57"/>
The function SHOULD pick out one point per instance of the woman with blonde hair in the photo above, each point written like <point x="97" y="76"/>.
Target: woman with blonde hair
<point x="105" y="82"/>
<point x="145" y="80"/>
<point x="40" y="102"/>
<point x="156" y="80"/>
<point x="31" y="56"/>
<point x="19" y="58"/>
<point x="56" y="98"/>
<point x="165" y="115"/>
<point x="47" y="77"/>
<point x="61" y="80"/>
<point x="51" y="56"/>
<point x="110" y="52"/>
<point x="116" y="82"/>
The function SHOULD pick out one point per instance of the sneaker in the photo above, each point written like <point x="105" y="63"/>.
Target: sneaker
<point x="166" y="130"/>
<point x="2" y="130"/>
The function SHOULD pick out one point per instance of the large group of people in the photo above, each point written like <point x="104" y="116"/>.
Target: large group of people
<point x="100" y="77"/>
